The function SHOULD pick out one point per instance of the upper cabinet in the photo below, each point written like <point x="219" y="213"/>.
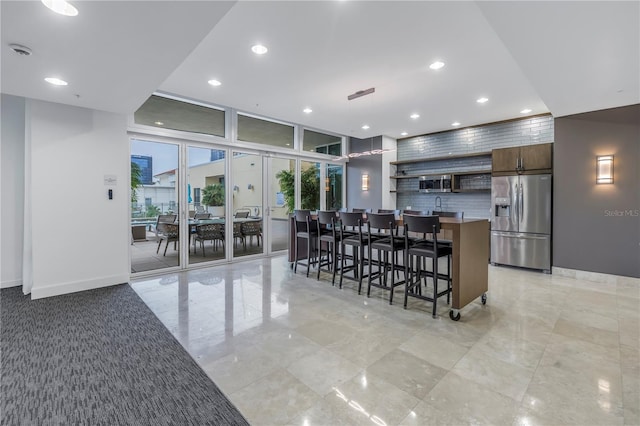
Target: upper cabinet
<point x="529" y="159"/>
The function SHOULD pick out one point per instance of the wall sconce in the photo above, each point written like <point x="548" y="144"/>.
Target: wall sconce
<point x="604" y="169"/>
<point x="250" y="187"/>
<point x="327" y="183"/>
<point x="365" y="182"/>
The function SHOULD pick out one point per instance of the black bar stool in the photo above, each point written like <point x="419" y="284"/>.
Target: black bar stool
<point x="306" y="228"/>
<point x="330" y="236"/>
<point x="387" y="246"/>
<point x="352" y="235"/>
<point x="417" y="251"/>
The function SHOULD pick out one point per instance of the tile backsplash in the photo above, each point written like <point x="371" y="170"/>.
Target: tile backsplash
<point x="527" y="131"/>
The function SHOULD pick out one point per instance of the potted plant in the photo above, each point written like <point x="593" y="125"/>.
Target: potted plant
<point x="213" y="198"/>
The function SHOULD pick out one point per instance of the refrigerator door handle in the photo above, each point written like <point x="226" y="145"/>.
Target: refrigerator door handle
<point x="517" y="203"/>
<point x="521" y="208"/>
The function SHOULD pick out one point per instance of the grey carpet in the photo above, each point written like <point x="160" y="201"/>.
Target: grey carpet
<point x="99" y="357"/>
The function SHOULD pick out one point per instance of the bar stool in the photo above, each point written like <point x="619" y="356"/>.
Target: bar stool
<point x="330" y="236"/>
<point x="387" y="246"/>
<point x="417" y="251"/>
<point x="306" y="228"/>
<point x="352" y="235"/>
<point x="415" y="212"/>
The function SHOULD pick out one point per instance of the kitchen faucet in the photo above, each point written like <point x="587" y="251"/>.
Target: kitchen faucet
<point x="438" y="203"/>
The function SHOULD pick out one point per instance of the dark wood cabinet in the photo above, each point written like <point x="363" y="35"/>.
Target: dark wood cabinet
<point x="529" y="159"/>
<point x="505" y="159"/>
<point x="537" y="157"/>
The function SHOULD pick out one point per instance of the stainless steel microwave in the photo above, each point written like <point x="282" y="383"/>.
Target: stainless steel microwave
<point x="435" y="183"/>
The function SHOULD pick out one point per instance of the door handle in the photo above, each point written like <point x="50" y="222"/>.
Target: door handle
<point x="517" y="203"/>
<point x="521" y="203"/>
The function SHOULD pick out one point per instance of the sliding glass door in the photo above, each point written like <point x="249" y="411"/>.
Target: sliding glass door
<point x="193" y="203"/>
<point x="246" y="227"/>
<point x="281" y="196"/>
<point x="155" y="194"/>
<point x="206" y="198"/>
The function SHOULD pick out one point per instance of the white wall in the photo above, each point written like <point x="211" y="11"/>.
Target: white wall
<point x="79" y="236"/>
<point x="12" y="203"/>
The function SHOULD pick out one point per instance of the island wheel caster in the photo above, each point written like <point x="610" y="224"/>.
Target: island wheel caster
<point x="454" y="314"/>
<point x="484" y="298"/>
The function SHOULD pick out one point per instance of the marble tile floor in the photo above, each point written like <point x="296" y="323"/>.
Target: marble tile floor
<point x="287" y="350"/>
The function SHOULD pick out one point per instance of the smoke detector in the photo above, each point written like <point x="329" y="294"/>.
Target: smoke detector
<point x="21" y="50"/>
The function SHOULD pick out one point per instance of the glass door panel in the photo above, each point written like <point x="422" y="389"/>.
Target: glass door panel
<point x="281" y="199"/>
<point x="333" y="187"/>
<point x="206" y="199"/>
<point x="246" y="225"/>
<point x="154" y="206"/>
<point x="310" y="185"/>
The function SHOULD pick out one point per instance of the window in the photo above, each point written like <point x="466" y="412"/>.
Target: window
<point x="265" y="132"/>
<point x="322" y="143"/>
<point x="310" y="185"/>
<point x="171" y="114"/>
<point x="333" y="187"/>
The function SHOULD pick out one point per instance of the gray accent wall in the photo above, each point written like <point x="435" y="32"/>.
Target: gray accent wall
<point x="597" y="227"/>
<point x="526" y="131"/>
<point x="357" y="166"/>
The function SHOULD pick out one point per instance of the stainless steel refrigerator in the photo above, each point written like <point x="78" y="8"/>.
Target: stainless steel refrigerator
<point x="521" y="221"/>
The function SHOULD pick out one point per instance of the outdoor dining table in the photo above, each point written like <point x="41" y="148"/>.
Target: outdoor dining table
<point x="194" y="223"/>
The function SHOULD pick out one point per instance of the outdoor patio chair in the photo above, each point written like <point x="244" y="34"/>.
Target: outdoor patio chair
<point x="160" y="228"/>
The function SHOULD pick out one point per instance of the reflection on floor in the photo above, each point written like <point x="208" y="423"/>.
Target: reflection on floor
<point x="288" y="350"/>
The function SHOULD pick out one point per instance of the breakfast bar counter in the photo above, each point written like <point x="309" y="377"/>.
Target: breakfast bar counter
<point x="470" y="261"/>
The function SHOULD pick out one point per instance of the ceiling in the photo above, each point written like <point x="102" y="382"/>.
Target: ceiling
<point x="558" y="57"/>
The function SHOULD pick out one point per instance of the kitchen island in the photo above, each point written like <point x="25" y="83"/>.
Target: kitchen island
<point x="469" y="263"/>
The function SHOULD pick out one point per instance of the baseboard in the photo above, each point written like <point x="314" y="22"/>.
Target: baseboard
<point x="72" y="287"/>
<point x="12" y="283"/>
<point x="597" y="277"/>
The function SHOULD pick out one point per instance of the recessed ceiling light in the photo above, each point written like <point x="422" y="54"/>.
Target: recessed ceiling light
<point x="414" y="116"/>
<point x="404" y="134"/>
<point x="455" y="124"/>
<point x="307" y="110"/>
<point x="365" y="127"/>
<point x="482" y="100"/>
<point x="60" y="6"/>
<point x="436" y="65"/>
<point x="259" y="49"/>
<point x="159" y="123"/>
<point x="525" y="111"/>
<point x="55" y="81"/>
<point x="214" y="82"/>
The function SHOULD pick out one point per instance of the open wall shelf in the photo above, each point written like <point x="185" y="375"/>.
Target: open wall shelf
<point x="462" y="181"/>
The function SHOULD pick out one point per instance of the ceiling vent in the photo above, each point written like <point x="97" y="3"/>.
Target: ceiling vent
<point x="21" y="50"/>
<point x="360" y="93"/>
